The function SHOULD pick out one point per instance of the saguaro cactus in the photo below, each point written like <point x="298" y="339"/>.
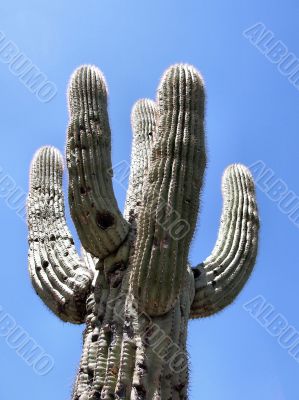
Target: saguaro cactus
<point x="133" y="285"/>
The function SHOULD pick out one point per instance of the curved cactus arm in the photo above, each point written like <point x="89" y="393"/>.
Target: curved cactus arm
<point x="144" y="125"/>
<point x="90" y="261"/>
<point x="219" y="279"/>
<point x="99" y="223"/>
<point x="166" y="224"/>
<point x="56" y="271"/>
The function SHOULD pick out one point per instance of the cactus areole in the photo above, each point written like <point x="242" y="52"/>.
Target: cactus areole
<point x="133" y="286"/>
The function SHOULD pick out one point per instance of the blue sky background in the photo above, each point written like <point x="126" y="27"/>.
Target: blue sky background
<point x="252" y="114"/>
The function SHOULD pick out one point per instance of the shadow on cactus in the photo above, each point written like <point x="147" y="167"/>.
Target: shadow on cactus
<point x="132" y="285"/>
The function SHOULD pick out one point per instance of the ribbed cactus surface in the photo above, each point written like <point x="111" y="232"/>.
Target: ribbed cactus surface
<point x="132" y="284"/>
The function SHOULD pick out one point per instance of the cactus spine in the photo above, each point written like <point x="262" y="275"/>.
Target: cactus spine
<point x="132" y="284"/>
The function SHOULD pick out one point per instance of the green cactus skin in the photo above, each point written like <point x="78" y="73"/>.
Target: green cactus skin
<point x="56" y="270"/>
<point x="92" y="202"/>
<point x="144" y="126"/>
<point x="133" y="286"/>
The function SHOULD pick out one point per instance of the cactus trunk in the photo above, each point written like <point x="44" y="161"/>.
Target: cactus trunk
<point x="126" y="353"/>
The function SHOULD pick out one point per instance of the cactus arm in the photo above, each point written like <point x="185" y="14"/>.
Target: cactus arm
<point x="90" y="261"/>
<point x="56" y="271"/>
<point x="144" y="125"/>
<point x="99" y="223"/>
<point x="219" y="279"/>
<point x="166" y="224"/>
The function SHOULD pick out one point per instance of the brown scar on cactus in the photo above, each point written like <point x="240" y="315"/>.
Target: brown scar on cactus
<point x="133" y="286"/>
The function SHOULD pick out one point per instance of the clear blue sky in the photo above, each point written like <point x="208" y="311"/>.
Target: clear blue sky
<point x="252" y="114"/>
